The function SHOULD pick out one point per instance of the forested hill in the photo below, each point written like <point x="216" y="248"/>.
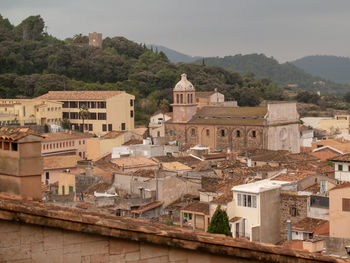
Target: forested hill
<point x="282" y="74"/>
<point x="173" y="55"/>
<point x="329" y="67"/>
<point x="33" y="62"/>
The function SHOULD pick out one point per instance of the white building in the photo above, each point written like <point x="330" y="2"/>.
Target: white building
<point x="256" y="211"/>
<point x="342" y="167"/>
<point x="156" y="124"/>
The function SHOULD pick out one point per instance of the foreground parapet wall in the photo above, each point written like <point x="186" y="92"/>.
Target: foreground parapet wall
<point x="38" y="232"/>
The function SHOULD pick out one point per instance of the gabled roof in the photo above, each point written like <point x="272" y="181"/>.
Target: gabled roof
<point x="66" y="135"/>
<point x="133" y="162"/>
<point x="147" y="207"/>
<point x="341" y="158"/>
<point x="80" y="95"/>
<point x="60" y="162"/>
<point x="197" y="207"/>
<point x="176" y="166"/>
<point x="204" y="94"/>
<point x="230" y="115"/>
<point x="312" y="225"/>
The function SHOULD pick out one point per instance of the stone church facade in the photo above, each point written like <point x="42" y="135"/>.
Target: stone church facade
<point x="274" y="127"/>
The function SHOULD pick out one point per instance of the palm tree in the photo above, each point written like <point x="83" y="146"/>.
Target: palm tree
<point x="84" y="114"/>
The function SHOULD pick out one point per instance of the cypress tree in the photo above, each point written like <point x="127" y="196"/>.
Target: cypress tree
<point x="219" y="223"/>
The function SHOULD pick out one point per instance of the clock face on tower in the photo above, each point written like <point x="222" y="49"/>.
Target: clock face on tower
<point x="283" y="134"/>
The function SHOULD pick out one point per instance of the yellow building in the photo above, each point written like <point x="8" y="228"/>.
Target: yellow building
<point x="30" y="112"/>
<point x="66" y="183"/>
<point x="108" y="110"/>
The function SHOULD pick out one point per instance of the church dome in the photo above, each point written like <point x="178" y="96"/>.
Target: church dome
<point x="184" y="84"/>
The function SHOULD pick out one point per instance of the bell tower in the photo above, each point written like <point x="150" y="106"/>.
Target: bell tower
<point x="184" y="100"/>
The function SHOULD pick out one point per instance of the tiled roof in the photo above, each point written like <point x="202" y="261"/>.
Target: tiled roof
<point x="187" y="160"/>
<point x="197" y="207"/>
<point x="309" y="224"/>
<point x="147" y="207"/>
<point x="339" y="144"/>
<point x="340" y="186"/>
<point x="140" y="131"/>
<point x="15" y="134"/>
<point x="230" y="115"/>
<point x="112" y="134"/>
<point x="223" y="199"/>
<point x="293" y="176"/>
<point x="60" y="162"/>
<point x="214" y="156"/>
<point x="100" y="187"/>
<point x="342" y="158"/>
<point x="204" y="94"/>
<point x="67" y="135"/>
<point x="144" y="173"/>
<point x="133" y="142"/>
<point x="133" y="162"/>
<point x="235" y="219"/>
<point x="80" y="95"/>
<point x="176" y="166"/>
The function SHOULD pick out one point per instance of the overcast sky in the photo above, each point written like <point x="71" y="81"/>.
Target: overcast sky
<point x="284" y="29"/>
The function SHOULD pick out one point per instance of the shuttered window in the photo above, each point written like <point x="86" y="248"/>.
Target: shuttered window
<point x="346" y="204"/>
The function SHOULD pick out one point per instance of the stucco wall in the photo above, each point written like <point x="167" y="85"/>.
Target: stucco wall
<point x="338" y="220"/>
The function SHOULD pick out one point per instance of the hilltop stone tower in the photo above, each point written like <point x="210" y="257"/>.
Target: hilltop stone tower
<point x="184" y="106"/>
<point x="95" y="39"/>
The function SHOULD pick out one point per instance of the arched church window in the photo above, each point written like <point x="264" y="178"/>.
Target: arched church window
<point x="193" y="132"/>
<point x="181" y="98"/>
<point x="254" y="134"/>
<point x="222" y="132"/>
<point x="177" y="98"/>
<point x="207" y="132"/>
<point x="238" y="133"/>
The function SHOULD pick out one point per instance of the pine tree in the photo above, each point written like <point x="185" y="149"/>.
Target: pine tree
<point x="219" y="223"/>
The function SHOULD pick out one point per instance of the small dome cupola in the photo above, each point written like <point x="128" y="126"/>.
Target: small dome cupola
<point x="184" y="84"/>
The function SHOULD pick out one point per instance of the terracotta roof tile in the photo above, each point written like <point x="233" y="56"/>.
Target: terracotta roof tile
<point x="235" y="219"/>
<point x="133" y="142"/>
<point x="197" y="207"/>
<point x="133" y="162"/>
<point x="147" y="207"/>
<point x="309" y="224"/>
<point x="293" y="176"/>
<point x="80" y="95"/>
<point x="175" y="166"/>
<point x="342" y="158"/>
<point x="15" y="134"/>
<point x="68" y="135"/>
<point x="112" y="134"/>
<point x="60" y="162"/>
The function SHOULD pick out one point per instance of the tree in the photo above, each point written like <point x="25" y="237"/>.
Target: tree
<point x="84" y="114"/>
<point x="219" y="223"/>
<point x="347" y="97"/>
<point x="31" y="28"/>
<point x="65" y="123"/>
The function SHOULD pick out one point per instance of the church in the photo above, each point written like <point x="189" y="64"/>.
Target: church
<point x="227" y="128"/>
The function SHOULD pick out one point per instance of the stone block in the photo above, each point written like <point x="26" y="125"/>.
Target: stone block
<point x="132" y="256"/>
<point x="52" y="255"/>
<point x="6" y="227"/>
<point x="117" y="247"/>
<point x="153" y="251"/>
<point x="72" y="248"/>
<point x="10" y="239"/>
<point x="15" y="253"/>
<point x="72" y="258"/>
<point x="99" y="258"/>
<point x="93" y="248"/>
<point x="116" y="259"/>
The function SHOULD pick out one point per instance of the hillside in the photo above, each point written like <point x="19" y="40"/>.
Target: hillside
<point x="328" y="67"/>
<point x="173" y="55"/>
<point x="282" y="74"/>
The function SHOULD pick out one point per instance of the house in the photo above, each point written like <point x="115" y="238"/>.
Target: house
<point x="99" y="146"/>
<point x="30" y="112"/>
<point x="341" y="145"/>
<point x="20" y="162"/>
<point x="131" y="164"/>
<point x="66" y="184"/>
<point x="54" y="165"/>
<point x="308" y="227"/>
<point x="306" y="136"/>
<point x="325" y="152"/>
<point x="148" y="211"/>
<point x="156" y="124"/>
<point x="108" y="110"/>
<point x="256" y="211"/>
<point x="65" y="143"/>
<point x="274" y="127"/>
<point x="196" y="216"/>
<point x="213" y="98"/>
<point x="339" y="211"/>
<point x="342" y="167"/>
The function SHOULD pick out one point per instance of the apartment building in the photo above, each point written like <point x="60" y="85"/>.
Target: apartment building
<point x="108" y="110"/>
<point x="30" y="112"/>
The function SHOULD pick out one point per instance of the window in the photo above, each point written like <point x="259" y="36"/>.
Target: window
<point x="171" y="132"/>
<point x="65" y="115"/>
<point x="74" y="115"/>
<point x="104" y="127"/>
<point x="253" y="134"/>
<point x="123" y="126"/>
<point x="83" y="141"/>
<point x="73" y="104"/>
<point x="70" y="189"/>
<point x="47" y="175"/>
<point x="131" y="114"/>
<point x="222" y="132"/>
<point x="246" y="200"/>
<point x="293" y="211"/>
<point x="131" y="103"/>
<point x="6" y="146"/>
<point x="14" y="146"/>
<point x="208" y="132"/>
<point x="181" y="98"/>
<point x="101" y="105"/>
<point x="90" y="127"/>
<point x="346" y="204"/>
<point x="158" y="133"/>
<point x="191" y="98"/>
<point x="24" y="111"/>
<point x="92" y="116"/>
<point x="340" y="167"/>
<point x="193" y="132"/>
<point x="110" y="127"/>
<point x="79" y="142"/>
<point x="238" y="133"/>
<point x="177" y="98"/>
<point x="102" y="116"/>
<point x="190" y="216"/>
<point x="65" y="104"/>
<point x="93" y="105"/>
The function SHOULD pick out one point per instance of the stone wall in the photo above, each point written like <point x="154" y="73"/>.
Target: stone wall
<point x="29" y="243"/>
<point x="290" y="201"/>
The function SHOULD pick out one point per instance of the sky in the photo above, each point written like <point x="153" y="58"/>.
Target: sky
<point x="283" y="29"/>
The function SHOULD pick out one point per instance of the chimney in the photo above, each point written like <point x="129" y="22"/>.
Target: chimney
<point x="289" y="228"/>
